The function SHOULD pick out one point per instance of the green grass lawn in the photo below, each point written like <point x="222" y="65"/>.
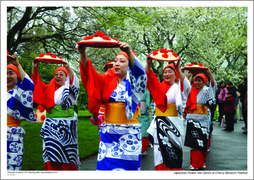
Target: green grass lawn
<point x="88" y="142"/>
<point x="84" y="113"/>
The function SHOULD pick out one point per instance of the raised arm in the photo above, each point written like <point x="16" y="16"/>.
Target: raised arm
<point x="126" y="48"/>
<point x="177" y="67"/>
<point x="15" y="61"/>
<point x="149" y="63"/>
<point x="82" y="54"/>
<point x="67" y="66"/>
<point x="35" y="66"/>
<point x="210" y="75"/>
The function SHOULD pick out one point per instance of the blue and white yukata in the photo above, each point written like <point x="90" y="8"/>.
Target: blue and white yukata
<point x="120" y="143"/>
<point x="59" y="130"/>
<point x="20" y="107"/>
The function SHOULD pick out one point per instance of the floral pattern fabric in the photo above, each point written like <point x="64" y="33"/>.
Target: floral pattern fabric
<point x="120" y="147"/>
<point x="14" y="148"/>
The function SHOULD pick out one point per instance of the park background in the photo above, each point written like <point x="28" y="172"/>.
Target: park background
<point x="215" y="36"/>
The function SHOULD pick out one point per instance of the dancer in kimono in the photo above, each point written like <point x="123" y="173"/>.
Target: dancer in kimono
<point x="121" y="90"/>
<point x="20" y="90"/>
<point x="59" y="129"/>
<point x="166" y="132"/>
<point x="198" y="120"/>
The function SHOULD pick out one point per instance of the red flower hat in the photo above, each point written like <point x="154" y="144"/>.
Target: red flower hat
<point x="195" y="67"/>
<point x="164" y="55"/>
<point x="99" y="40"/>
<point x="49" y="58"/>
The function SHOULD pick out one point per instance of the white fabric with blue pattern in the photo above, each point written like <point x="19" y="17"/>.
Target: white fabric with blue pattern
<point x="20" y="106"/>
<point x="20" y="101"/>
<point x="131" y="89"/>
<point x="15" y="148"/>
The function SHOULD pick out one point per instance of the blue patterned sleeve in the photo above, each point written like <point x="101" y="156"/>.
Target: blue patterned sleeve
<point x="20" y="101"/>
<point x="135" y="86"/>
<point x="138" y="69"/>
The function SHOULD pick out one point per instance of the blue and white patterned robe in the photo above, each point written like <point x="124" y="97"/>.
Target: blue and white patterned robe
<point x="19" y="106"/>
<point x="59" y="135"/>
<point x="120" y="144"/>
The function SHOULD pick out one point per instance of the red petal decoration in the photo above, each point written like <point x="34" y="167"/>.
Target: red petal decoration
<point x="60" y="58"/>
<point x="88" y="37"/>
<point x="155" y="53"/>
<point x="174" y="54"/>
<point x="48" y="53"/>
<point x="41" y="55"/>
<point x="7" y="52"/>
<point x="99" y="33"/>
<point x="43" y="117"/>
<point x="165" y="55"/>
<point x="200" y="64"/>
<point x="106" y="38"/>
<point x="170" y="51"/>
<point x="53" y="56"/>
<point x="164" y="50"/>
<point x="41" y="109"/>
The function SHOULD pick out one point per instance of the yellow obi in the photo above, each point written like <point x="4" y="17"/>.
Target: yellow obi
<point x="170" y="111"/>
<point x="201" y="109"/>
<point x="11" y="122"/>
<point x="115" y="114"/>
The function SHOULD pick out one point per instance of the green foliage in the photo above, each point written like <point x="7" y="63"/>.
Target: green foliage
<point x="88" y="143"/>
<point x="82" y="98"/>
<point x="213" y="36"/>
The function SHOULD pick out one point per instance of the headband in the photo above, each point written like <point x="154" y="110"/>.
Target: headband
<point x="14" y="68"/>
<point x="62" y="69"/>
<point x="123" y="53"/>
<point x="171" y="65"/>
<point x="201" y="76"/>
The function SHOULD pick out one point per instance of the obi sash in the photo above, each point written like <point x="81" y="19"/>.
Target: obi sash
<point x="115" y="114"/>
<point x="11" y="122"/>
<point x="170" y="111"/>
<point x="201" y="109"/>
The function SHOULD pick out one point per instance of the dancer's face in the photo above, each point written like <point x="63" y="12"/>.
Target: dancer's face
<point x="120" y="65"/>
<point x="12" y="79"/>
<point x="169" y="76"/>
<point x="60" y="77"/>
<point x="199" y="83"/>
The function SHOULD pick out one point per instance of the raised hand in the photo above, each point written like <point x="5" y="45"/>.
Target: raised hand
<point x="81" y="48"/>
<point x="14" y="60"/>
<point x="124" y="47"/>
<point x="65" y="64"/>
